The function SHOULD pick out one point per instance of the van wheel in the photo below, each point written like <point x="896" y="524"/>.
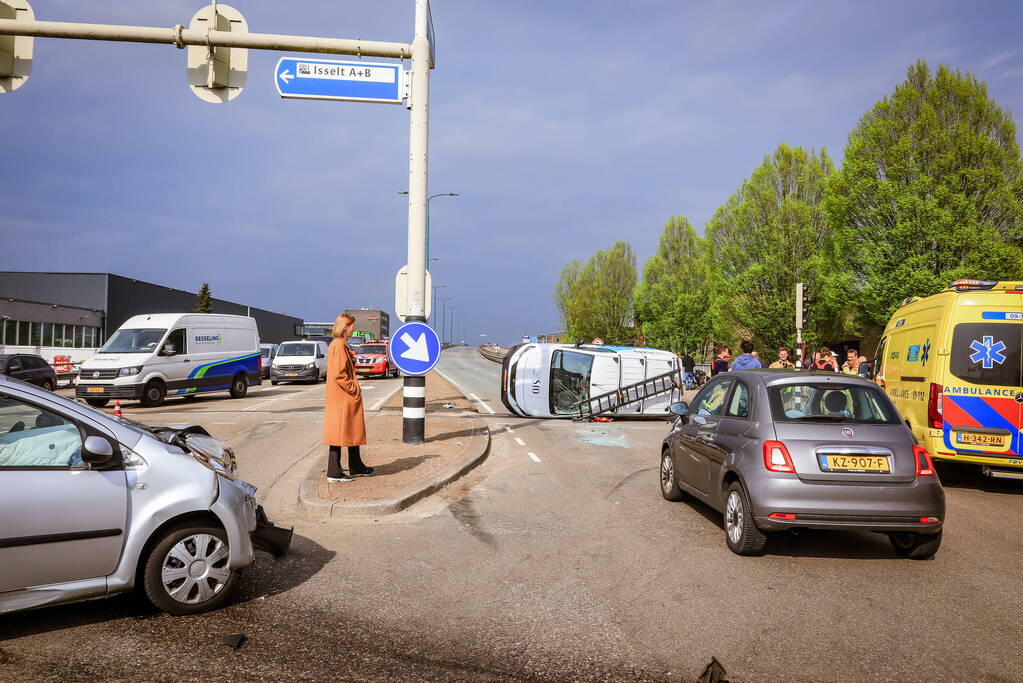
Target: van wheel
<point x="187" y="572"/>
<point x="97" y="402"/>
<point x="239" y="386"/>
<point x="153" y="393"/>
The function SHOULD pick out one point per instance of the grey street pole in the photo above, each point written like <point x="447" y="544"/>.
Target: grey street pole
<point x="434" y="307"/>
<point x="413" y="413"/>
<point x="451" y="321"/>
<point x="443" y="304"/>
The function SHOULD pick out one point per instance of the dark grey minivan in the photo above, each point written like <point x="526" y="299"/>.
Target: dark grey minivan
<point x="777" y="450"/>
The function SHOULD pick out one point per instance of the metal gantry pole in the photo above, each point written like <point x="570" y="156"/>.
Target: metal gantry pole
<point x="413" y="429"/>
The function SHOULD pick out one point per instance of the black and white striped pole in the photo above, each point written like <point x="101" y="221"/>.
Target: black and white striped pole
<point x="413" y="410"/>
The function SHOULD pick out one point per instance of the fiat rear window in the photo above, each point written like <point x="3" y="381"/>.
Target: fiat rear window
<point x="831" y="402"/>
<point x="988" y="353"/>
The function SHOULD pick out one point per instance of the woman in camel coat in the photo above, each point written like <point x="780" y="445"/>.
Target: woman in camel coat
<point x="343" y="421"/>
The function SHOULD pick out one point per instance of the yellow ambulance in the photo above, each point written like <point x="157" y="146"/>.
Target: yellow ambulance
<point x="953" y="365"/>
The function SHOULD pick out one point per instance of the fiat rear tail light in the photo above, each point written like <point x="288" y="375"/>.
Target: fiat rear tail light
<point x="934" y="416"/>
<point x="776" y="457"/>
<point x="924" y="464"/>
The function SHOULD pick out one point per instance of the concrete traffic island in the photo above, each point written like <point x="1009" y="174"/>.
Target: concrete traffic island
<point x="457" y="440"/>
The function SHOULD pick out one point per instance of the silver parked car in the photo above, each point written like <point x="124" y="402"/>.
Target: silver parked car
<point x="777" y="450"/>
<point x="91" y="505"/>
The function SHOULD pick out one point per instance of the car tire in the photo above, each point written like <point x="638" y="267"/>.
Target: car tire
<point x="239" y="386"/>
<point x="47" y="385"/>
<point x="191" y="397"/>
<point x="741" y="532"/>
<point x="273" y="382"/>
<point x="153" y="393"/>
<point x="97" y="402"/>
<point x="669" y="481"/>
<point x="202" y="585"/>
<point x="915" y="546"/>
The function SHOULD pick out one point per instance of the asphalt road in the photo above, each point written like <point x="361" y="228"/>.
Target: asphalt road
<point x="557" y="559"/>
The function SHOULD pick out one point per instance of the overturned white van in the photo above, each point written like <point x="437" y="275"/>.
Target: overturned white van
<point x="151" y="356"/>
<point x="550" y="380"/>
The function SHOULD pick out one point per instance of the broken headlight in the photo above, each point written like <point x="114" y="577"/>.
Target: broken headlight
<point x="212" y="453"/>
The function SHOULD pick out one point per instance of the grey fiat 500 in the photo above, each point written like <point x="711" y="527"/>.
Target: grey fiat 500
<point x="91" y="505"/>
<point x="777" y="450"/>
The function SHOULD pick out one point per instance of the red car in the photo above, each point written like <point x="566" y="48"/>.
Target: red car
<point x="373" y="359"/>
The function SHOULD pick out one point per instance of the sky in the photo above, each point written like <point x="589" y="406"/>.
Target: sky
<point x="564" y="126"/>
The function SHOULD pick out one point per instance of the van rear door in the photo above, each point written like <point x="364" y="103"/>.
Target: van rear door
<point x="983" y="396"/>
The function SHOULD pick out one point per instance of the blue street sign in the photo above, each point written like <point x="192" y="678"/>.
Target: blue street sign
<point x="327" y="79"/>
<point x="415" y="348"/>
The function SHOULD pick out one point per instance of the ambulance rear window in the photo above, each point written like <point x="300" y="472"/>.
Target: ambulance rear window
<point x="988" y="353"/>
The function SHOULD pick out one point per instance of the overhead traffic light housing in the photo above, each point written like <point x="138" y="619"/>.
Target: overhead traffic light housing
<point x="217" y="74"/>
<point x="15" y="51"/>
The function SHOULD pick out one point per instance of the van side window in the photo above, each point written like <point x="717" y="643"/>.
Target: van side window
<point x="879" y="358"/>
<point x="178" y="338"/>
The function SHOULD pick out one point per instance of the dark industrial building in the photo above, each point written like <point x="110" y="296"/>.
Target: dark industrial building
<point x="81" y="310"/>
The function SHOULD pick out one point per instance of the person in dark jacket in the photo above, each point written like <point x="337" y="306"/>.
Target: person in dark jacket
<point x="720" y="363"/>
<point x="689" y="366"/>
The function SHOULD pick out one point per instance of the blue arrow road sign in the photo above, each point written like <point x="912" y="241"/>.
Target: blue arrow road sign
<point x="327" y="79"/>
<point x="415" y="348"/>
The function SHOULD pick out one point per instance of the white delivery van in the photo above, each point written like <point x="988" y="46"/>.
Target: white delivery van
<point x="299" y="361"/>
<point x="154" y="355"/>
<point x="548" y="380"/>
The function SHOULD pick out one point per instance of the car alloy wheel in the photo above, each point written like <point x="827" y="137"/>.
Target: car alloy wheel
<point x="195" y="570"/>
<point x="734" y="517"/>
<point x="669" y="484"/>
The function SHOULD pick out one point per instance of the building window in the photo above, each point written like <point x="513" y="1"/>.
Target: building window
<point x="79" y="336"/>
<point x="67" y="335"/>
<point x="36" y="334"/>
<point x="47" y="334"/>
<point x="23" y="333"/>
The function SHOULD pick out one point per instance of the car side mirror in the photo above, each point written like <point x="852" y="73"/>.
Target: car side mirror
<point x="97" y="451"/>
<point x="169" y="350"/>
<point x="679" y="408"/>
<point x="320" y="355"/>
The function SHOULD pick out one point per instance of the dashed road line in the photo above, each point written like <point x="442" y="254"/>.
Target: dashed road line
<point x="533" y="457"/>
<point x="520" y="441"/>
<point x="278" y="400"/>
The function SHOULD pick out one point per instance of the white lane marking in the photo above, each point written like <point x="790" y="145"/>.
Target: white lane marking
<point x="508" y="429"/>
<point x="381" y="402"/>
<point x="474" y="397"/>
<point x="480" y="401"/>
<point x="533" y="457"/>
<point x="277" y="400"/>
<point x="520" y="441"/>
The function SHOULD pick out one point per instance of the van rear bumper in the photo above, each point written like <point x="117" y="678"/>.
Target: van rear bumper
<point x="133" y="391"/>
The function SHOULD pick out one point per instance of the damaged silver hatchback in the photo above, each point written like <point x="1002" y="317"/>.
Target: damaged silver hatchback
<point x="92" y="505"/>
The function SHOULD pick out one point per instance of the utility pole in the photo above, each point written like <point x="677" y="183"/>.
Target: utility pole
<point x="218" y="40"/>
<point x="799" y="323"/>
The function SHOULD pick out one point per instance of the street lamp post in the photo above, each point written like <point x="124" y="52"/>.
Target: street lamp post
<point x="428" y="200"/>
<point x="443" y="306"/>
<point x="447" y="326"/>
<point x="434" y="307"/>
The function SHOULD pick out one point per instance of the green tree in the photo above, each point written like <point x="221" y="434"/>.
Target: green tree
<point x="595" y="299"/>
<point x="204" y="302"/>
<point x="762" y="241"/>
<point x="672" y="300"/>
<point x="929" y="191"/>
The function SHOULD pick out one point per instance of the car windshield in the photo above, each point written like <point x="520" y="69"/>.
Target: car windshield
<point x="372" y="348"/>
<point x="134" y="341"/>
<point x="296" y="350"/>
<point x="831" y="402"/>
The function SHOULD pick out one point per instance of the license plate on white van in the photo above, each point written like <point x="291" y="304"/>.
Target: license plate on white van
<point x="291" y="374"/>
<point x="94" y="390"/>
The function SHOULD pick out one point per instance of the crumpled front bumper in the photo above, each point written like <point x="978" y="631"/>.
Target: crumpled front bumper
<point x="268" y="537"/>
<point x="246" y="524"/>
